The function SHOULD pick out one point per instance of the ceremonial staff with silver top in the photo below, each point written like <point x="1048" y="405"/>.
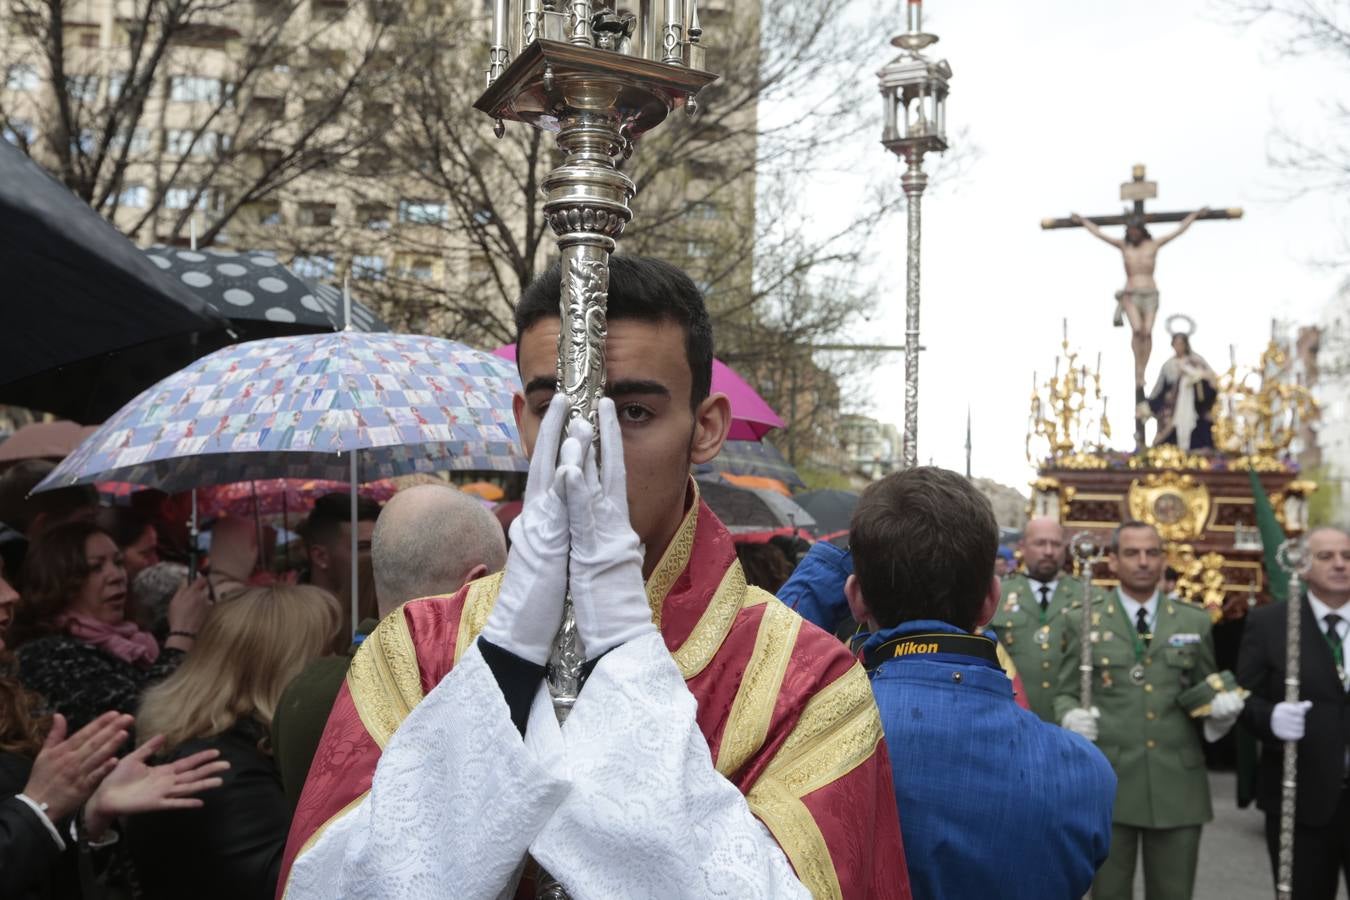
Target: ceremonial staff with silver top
<point x="1293" y="559"/>
<point x="600" y="80"/>
<point x="914" y="94"/>
<point x="1086" y="554"/>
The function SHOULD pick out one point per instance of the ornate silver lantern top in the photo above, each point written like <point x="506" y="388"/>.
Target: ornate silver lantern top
<point x="914" y="92"/>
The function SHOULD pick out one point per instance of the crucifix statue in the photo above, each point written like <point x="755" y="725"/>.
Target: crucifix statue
<point x="1137" y="302"/>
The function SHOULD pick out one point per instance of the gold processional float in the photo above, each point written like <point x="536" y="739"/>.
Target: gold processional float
<point x="1200" y="501"/>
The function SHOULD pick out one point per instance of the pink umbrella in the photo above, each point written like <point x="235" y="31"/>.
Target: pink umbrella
<point x="751" y="417"/>
<point x="279" y="496"/>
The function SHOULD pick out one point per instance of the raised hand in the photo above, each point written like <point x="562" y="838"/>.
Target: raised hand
<point x="135" y="786"/>
<point x="529" y="605"/>
<point x="67" y="769"/>
<point x="605" y="574"/>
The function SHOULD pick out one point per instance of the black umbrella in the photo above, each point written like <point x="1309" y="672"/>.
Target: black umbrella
<point x="752" y="458"/>
<point x="258" y="294"/>
<point x="832" y="509"/>
<point x="751" y="509"/>
<point x="88" y="320"/>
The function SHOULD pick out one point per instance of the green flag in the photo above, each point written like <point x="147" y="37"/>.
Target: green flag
<point x="1272" y="536"/>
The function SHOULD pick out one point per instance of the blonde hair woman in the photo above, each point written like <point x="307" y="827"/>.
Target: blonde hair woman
<point x="223" y="697"/>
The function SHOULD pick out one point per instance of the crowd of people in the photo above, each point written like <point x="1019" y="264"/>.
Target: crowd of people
<point x="238" y="732"/>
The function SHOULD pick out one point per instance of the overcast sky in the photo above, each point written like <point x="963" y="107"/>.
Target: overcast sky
<point x="1062" y="97"/>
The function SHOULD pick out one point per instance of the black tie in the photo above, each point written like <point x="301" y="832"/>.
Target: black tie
<point x="1333" y="623"/>
<point x="1045" y="597"/>
<point x="1141" y="624"/>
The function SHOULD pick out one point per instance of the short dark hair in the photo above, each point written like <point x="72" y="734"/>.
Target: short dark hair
<point x="19" y="510"/>
<point x="125" y="525"/>
<point x="1126" y="526"/>
<point x="642" y="288"/>
<point x="923" y="544"/>
<point x="331" y="512"/>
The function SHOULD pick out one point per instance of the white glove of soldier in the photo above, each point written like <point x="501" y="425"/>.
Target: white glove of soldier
<point x="529" y="605"/>
<point x="1223" y="714"/>
<point x="1082" y="722"/>
<point x="605" y="575"/>
<point x="1287" y="720"/>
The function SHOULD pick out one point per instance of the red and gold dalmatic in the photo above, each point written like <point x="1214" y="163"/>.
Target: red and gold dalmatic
<point x="787" y="712"/>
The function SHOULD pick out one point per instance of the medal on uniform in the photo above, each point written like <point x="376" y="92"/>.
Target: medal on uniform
<point x="1137" y="673"/>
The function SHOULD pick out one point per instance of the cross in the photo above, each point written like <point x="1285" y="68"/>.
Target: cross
<point x="1139" y="189"/>
<point x="1139" y="299"/>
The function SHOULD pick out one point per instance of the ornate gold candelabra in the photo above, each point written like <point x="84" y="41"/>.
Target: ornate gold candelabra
<point x="1068" y="421"/>
<point x="1260" y="408"/>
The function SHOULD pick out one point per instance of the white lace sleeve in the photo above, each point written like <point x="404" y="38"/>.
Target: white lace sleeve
<point x="456" y="799"/>
<point x="648" y="815"/>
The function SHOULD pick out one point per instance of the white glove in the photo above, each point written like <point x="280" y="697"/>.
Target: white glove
<point x="605" y="575"/>
<point x="529" y="605"/>
<point x="1287" y="720"/>
<point x="1223" y="714"/>
<point x="1082" y="722"/>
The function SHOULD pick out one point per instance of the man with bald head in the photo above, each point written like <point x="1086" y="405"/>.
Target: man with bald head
<point x="1028" y="619"/>
<point x="431" y="540"/>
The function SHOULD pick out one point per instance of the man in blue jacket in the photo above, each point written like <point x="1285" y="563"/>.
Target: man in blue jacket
<point x="993" y="801"/>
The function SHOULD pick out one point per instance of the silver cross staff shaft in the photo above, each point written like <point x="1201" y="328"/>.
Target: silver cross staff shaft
<point x="1085" y="553"/>
<point x="1293" y="558"/>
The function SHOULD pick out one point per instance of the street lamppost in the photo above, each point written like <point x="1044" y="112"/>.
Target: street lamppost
<point x="914" y="95"/>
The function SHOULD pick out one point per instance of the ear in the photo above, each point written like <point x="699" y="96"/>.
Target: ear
<point x="990" y="605"/>
<point x="712" y="422"/>
<point x="1111" y="563"/>
<point x="474" y="574"/>
<point x="857" y="606"/>
<point x="527" y="435"/>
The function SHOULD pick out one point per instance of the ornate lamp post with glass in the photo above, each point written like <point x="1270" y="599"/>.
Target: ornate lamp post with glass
<point x="914" y="94"/>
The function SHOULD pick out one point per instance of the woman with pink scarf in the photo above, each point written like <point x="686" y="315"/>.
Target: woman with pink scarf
<point x="74" y="643"/>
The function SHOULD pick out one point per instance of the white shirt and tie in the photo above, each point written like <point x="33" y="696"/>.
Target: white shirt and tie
<point x="1334" y="624"/>
<point x="1044" y="591"/>
<point x="1133" y="606"/>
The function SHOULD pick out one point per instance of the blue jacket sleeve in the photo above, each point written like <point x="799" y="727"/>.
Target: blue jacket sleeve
<point x="816" y="588"/>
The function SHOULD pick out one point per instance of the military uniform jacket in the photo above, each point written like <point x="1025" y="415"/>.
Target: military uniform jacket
<point x="1148" y="737"/>
<point x="1035" y="641"/>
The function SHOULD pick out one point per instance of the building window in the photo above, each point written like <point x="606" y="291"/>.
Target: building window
<point x="180" y="142"/>
<point x="116" y="82"/>
<point x="134" y="196"/>
<point x="704" y="210"/>
<point x="22" y="77"/>
<point x="140" y="140"/>
<point x="417" y="268"/>
<point x="20" y="132"/>
<point x="267" y="212"/>
<point x="375" y="217"/>
<point x="82" y="88"/>
<point x="320" y="215"/>
<point x="83" y="144"/>
<point x="698" y="249"/>
<point x="181" y="198"/>
<point x="368" y="268"/>
<point x="194" y="89"/>
<point x="89" y="39"/>
<point x="422" y="212"/>
<point x="314" y="268"/>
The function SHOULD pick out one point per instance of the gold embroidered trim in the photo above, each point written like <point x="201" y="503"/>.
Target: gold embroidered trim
<point x="752" y="710"/>
<point x="838" y="730"/>
<point x="384" y="680"/>
<point x="478" y="603"/>
<point x="796" y="831"/>
<point x="711" y="629"/>
<point x="673" y="561"/>
<point x="318" y="833"/>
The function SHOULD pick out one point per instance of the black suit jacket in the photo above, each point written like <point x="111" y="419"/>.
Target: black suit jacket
<point x="1321" y="753"/>
<point x="31" y="865"/>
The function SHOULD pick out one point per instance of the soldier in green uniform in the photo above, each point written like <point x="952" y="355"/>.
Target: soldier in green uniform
<point x="1153" y="677"/>
<point x="1028" y="622"/>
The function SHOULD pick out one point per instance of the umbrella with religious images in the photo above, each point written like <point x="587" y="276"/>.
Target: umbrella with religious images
<point x="259" y="294"/>
<point x="296" y="407"/>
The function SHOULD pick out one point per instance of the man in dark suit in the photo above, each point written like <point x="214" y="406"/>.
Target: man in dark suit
<point x="1319" y="721"/>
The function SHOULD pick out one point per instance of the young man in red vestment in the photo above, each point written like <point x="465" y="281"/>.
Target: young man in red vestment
<point x="721" y="746"/>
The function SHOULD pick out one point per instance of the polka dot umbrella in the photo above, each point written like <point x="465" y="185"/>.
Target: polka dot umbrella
<point x="259" y="294"/>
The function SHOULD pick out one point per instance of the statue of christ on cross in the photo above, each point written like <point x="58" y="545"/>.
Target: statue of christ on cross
<point x="1138" y="300"/>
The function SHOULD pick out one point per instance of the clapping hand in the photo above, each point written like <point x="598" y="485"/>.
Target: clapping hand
<point x="67" y="769"/>
<point x="135" y="786"/>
